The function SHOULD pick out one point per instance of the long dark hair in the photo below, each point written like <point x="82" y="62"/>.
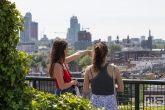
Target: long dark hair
<point x="100" y="51"/>
<point x="57" y="54"/>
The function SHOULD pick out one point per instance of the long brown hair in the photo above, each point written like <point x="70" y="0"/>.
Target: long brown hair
<point x="100" y="51"/>
<point x="57" y="54"/>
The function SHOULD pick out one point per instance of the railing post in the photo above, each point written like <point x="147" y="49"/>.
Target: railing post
<point x="137" y="96"/>
<point x="34" y="84"/>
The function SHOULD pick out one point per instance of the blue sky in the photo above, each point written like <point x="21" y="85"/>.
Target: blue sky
<point x="103" y="17"/>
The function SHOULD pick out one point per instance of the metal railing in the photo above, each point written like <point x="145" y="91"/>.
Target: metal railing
<point x="137" y="95"/>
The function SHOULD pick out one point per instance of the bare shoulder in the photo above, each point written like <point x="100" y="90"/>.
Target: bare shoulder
<point x="87" y="69"/>
<point x="112" y="65"/>
<point x="57" y="66"/>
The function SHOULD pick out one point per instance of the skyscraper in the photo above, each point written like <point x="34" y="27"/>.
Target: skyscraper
<point x="34" y="31"/>
<point x="30" y="32"/>
<point x="72" y="34"/>
<point x="143" y="38"/>
<point x="109" y="39"/>
<point x="26" y="34"/>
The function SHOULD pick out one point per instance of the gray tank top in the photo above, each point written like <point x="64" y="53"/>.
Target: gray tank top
<point x="102" y="84"/>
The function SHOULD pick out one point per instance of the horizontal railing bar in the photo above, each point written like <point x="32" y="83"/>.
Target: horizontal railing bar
<point x="126" y="81"/>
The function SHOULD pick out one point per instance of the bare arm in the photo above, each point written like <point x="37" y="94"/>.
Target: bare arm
<point x="86" y="83"/>
<point x="58" y="74"/>
<point x="120" y="84"/>
<point x="76" y="55"/>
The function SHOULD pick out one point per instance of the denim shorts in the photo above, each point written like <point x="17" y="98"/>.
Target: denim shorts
<point x="59" y="91"/>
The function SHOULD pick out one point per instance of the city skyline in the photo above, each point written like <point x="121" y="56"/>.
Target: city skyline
<point x="103" y="18"/>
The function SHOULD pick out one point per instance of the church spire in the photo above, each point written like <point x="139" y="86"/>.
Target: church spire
<point x="128" y="39"/>
<point x="117" y="39"/>
<point x="149" y="33"/>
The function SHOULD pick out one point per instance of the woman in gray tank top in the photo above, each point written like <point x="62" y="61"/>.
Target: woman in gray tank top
<point x="99" y="79"/>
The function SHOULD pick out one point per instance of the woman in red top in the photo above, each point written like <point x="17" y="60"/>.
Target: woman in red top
<point x="57" y="66"/>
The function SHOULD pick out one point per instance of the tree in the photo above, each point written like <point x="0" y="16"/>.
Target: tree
<point x="14" y="66"/>
<point x="85" y="61"/>
<point x="131" y="59"/>
<point x="43" y="64"/>
<point x="143" y="44"/>
<point x="114" y="47"/>
<point x="70" y="52"/>
<point x="46" y="44"/>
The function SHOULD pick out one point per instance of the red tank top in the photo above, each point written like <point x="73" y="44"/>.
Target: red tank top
<point x="66" y="77"/>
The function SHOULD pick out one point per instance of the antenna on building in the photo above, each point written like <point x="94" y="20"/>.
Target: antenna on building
<point x="44" y="31"/>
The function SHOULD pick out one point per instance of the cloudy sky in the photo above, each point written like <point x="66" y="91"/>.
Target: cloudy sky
<point x="103" y="17"/>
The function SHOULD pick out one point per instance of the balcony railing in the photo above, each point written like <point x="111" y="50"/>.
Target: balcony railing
<point x="137" y="95"/>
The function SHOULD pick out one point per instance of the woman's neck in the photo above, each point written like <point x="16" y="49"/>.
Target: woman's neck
<point x="103" y="63"/>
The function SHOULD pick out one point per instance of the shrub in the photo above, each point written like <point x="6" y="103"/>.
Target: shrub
<point x="67" y="101"/>
<point x="14" y="64"/>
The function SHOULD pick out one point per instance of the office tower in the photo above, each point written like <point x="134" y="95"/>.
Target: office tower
<point x="84" y="36"/>
<point x="109" y="39"/>
<point x="84" y="40"/>
<point x="26" y="34"/>
<point x="34" y="31"/>
<point x="72" y="34"/>
<point x="142" y="38"/>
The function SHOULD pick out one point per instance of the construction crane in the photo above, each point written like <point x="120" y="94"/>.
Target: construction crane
<point x="60" y="32"/>
<point x="84" y="28"/>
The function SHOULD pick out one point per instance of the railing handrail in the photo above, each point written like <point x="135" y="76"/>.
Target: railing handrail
<point x="137" y="82"/>
<point x="130" y="81"/>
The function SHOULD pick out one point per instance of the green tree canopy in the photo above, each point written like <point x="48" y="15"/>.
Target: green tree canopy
<point x="85" y="61"/>
<point x="143" y="44"/>
<point x="114" y="47"/>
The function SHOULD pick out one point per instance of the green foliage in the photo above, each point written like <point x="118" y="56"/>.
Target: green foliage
<point x="85" y="61"/>
<point x="46" y="44"/>
<point x="39" y="59"/>
<point x="90" y="48"/>
<point x="114" y="47"/>
<point x="143" y="44"/>
<point x="157" y="46"/>
<point x="67" y="101"/>
<point x="131" y="59"/>
<point x="14" y="65"/>
<point x="70" y="52"/>
<point x="44" y="64"/>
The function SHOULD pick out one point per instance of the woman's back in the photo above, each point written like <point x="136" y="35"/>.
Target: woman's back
<point x="102" y="83"/>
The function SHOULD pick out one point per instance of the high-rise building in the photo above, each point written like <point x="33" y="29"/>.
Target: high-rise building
<point x="142" y="38"/>
<point x="72" y="34"/>
<point x="34" y="31"/>
<point x="84" y="40"/>
<point x="26" y="34"/>
<point x="30" y="32"/>
<point x="84" y="36"/>
<point x="109" y="39"/>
